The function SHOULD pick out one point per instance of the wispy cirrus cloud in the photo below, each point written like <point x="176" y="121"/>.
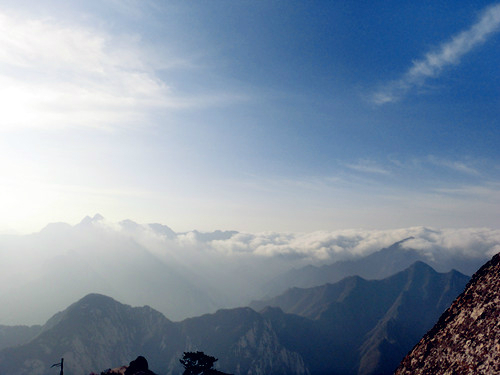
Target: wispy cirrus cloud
<point x="368" y="166"/>
<point x="455" y="165"/>
<point x="449" y="53"/>
<point x="489" y="191"/>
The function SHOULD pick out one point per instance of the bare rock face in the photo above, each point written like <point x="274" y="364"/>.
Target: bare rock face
<point x="466" y="339"/>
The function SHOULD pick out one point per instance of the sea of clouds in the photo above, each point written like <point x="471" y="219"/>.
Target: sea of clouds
<point x="186" y="274"/>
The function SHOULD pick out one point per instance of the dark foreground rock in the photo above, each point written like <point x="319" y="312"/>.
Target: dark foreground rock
<point x="138" y="366"/>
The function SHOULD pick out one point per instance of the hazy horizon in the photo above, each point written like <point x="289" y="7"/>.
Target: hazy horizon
<point x="185" y="274"/>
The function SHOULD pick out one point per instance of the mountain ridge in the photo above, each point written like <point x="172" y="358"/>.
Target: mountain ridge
<point x="374" y="266"/>
<point x="186" y="274"/>
<point x="382" y="311"/>
<point x="98" y="332"/>
<point x="380" y="264"/>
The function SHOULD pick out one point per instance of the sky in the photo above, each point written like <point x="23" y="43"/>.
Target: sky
<point x="250" y="115"/>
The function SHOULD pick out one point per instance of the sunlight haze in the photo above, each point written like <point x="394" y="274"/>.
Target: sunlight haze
<point x="251" y="116"/>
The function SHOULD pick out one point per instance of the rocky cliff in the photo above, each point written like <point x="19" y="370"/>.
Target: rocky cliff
<point x="466" y="339"/>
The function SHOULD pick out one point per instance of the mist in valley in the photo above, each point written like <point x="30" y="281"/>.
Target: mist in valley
<point x="192" y="273"/>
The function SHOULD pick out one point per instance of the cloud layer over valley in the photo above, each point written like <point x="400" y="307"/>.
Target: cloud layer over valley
<point x="186" y="274"/>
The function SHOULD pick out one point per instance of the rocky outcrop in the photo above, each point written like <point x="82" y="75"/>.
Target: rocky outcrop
<point x="466" y="339"/>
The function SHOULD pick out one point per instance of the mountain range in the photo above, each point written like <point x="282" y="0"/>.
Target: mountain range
<point x="355" y="326"/>
<point x="98" y="332"/>
<point x="377" y="265"/>
<point x="371" y="323"/>
<point x="191" y="273"/>
<point x="95" y="259"/>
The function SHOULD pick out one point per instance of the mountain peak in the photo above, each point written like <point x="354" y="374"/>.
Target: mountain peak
<point x="92" y="304"/>
<point x="420" y="266"/>
<point x="97" y="217"/>
<point x="89" y="220"/>
<point x="95" y="298"/>
<point x="162" y="229"/>
<point x="95" y="332"/>
<point x="129" y="224"/>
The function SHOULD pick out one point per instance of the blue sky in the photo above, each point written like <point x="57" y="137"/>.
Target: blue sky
<point x="250" y="115"/>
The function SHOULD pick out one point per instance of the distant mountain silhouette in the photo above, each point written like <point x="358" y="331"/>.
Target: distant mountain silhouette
<point x="354" y="326"/>
<point x="103" y="261"/>
<point x="466" y="338"/>
<point x="364" y="327"/>
<point x="375" y="266"/>
<point x="163" y="230"/>
<point x="88" y="221"/>
<point x="180" y="274"/>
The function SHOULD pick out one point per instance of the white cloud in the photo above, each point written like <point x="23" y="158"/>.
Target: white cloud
<point x="448" y="53"/>
<point x="461" y="167"/>
<point x="469" y="242"/>
<point x="328" y="246"/>
<point x="291" y="249"/>
<point x="58" y="75"/>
